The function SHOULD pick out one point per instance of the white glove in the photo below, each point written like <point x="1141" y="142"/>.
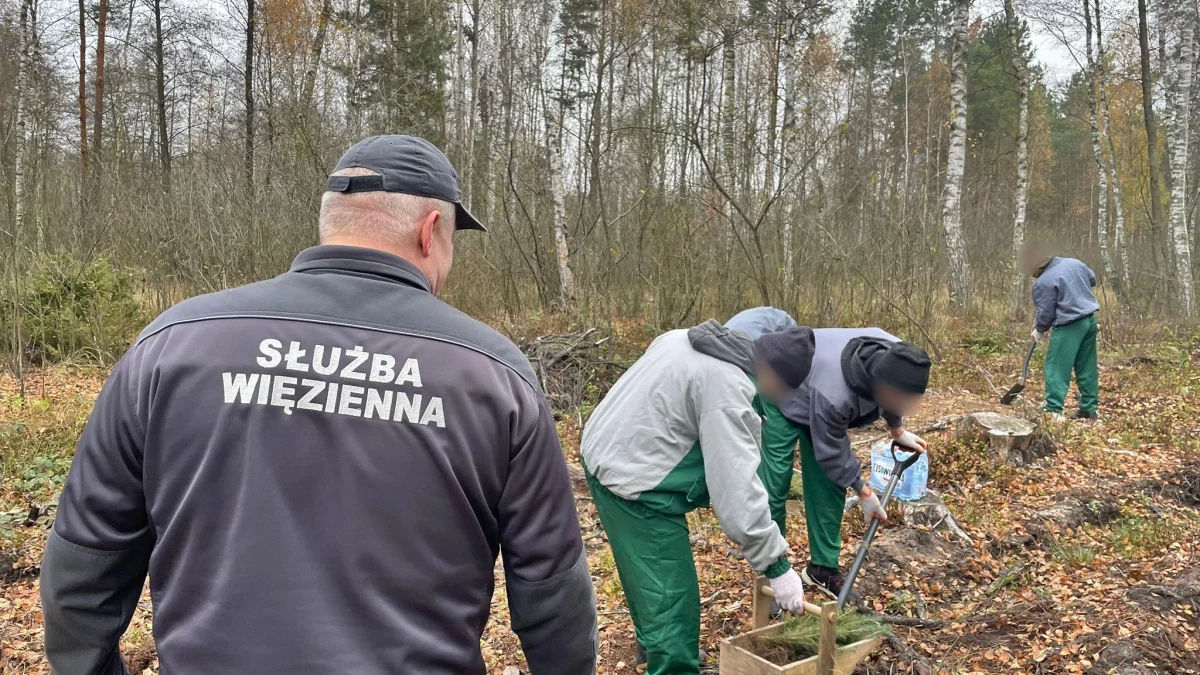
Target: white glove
<point x="871" y="507"/>
<point x="1037" y="335"/>
<point x="912" y="441"/>
<point x="789" y="591"/>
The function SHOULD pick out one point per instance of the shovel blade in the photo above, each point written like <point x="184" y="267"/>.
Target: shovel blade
<point x="1011" y="394"/>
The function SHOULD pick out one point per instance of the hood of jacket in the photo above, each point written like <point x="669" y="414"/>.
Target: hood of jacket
<point x="724" y="344"/>
<point x="858" y="363"/>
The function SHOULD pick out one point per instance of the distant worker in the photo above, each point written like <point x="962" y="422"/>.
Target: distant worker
<point x="858" y="374"/>
<point x="319" y="470"/>
<point x="1066" y="309"/>
<point x="678" y="431"/>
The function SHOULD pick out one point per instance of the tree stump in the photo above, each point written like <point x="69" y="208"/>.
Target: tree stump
<point x="1009" y="439"/>
<point x="931" y="511"/>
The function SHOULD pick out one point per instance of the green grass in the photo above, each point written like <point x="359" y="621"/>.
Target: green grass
<point x="37" y="441"/>
<point x="1135" y="536"/>
<point x="1072" y="554"/>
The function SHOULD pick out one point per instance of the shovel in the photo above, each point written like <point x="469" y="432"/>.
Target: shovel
<point x="1011" y="394"/>
<point x="898" y="468"/>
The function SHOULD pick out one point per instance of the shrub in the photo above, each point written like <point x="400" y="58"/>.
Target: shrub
<point x="74" y="310"/>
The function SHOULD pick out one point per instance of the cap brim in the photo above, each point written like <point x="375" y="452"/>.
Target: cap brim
<point x="463" y="220"/>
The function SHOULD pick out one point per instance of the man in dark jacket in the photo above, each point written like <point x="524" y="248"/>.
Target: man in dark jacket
<point x="319" y="470"/>
<point x="858" y="374"/>
<point x="1066" y="308"/>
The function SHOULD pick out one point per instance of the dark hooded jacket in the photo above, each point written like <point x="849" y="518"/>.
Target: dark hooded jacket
<point x="837" y="398"/>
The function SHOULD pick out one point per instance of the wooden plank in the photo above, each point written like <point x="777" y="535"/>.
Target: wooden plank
<point x="827" y="647"/>
<point x="761" y="604"/>
<point x="849" y="656"/>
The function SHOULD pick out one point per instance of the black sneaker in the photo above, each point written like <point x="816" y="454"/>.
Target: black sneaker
<point x="828" y="580"/>
<point x="1087" y="415"/>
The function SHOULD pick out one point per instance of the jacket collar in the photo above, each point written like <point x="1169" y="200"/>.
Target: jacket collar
<point x="357" y="261"/>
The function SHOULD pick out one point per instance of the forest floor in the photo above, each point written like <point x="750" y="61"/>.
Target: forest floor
<point x="1084" y="562"/>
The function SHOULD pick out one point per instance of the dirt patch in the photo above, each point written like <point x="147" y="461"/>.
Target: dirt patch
<point x="1183" y="486"/>
<point x="1071" y="514"/>
<point x="905" y="549"/>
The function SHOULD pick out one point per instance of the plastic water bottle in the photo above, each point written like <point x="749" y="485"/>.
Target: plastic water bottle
<point x="913" y="481"/>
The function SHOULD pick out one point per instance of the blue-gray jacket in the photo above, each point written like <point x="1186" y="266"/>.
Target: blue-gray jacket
<point x="1063" y="293"/>
<point x="825" y="404"/>
<point x="319" y="471"/>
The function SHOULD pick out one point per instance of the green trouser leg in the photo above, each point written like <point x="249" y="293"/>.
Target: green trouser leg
<point x="779" y="438"/>
<point x="824" y="504"/>
<point x="653" y="553"/>
<point x="1087" y="374"/>
<point x="1072" y="348"/>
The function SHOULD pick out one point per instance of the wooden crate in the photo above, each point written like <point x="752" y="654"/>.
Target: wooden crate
<point x="738" y="659"/>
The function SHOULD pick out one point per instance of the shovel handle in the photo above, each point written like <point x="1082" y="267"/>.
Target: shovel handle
<point x="897" y="469"/>
<point x="808" y="606"/>
<point x="1028" y="356"/>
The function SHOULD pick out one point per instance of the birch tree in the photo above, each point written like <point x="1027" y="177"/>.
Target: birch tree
<point x="21" y="151"/>
<point x="956" y="159"/>
<point x="1120" y="283"/>
<point x="1022" y="191"/>
<point x="1097" y="151"/>
<point x="1176" y="23"/>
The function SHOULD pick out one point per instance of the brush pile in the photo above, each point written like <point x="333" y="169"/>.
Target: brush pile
<point x="801" y="636"/>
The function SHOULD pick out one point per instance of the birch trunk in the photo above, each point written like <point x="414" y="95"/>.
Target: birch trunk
<point x="728" y="107"/>
<point x="21" y="152"/>
<point x="956" y="157"/>
<point x="1119" y="283"/>
<point x="1022" y="71"/>
<point x="456" y="143"/>
<point x="1097" y="151"/>
<point x="789" y="56"/>
<point x="1179" y="32"/>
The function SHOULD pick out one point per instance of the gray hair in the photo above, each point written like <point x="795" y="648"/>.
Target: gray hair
<point x="379" y="216"/>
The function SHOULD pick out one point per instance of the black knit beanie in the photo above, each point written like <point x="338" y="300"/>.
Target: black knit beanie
<point x="788" y="352"/>
<point x="904" y="366"/>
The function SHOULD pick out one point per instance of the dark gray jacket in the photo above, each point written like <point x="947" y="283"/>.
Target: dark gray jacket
<point x="1062" y="293"/>
<point x="319" y="471"/>
<point x="828" y="404"/>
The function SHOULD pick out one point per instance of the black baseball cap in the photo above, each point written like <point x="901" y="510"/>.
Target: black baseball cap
<point x="406" y="164"/>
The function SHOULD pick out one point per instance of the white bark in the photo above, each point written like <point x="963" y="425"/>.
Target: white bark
<point x="20" y="200"/>
<point x="1022" y="196"/>
<point x="729" y="80"/>
<point x="566" y="277"/>
<point x="1097" y="152"/>
<point x="956" y="157"/>
<point x="790" y="55"/>
<point x="1176" y="21"/>
<point x="1119" y="283"/>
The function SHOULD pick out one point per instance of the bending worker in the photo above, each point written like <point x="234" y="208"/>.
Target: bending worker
<point x="1066" y="308"/>
<point x="858" y="374"/>
<point x="678" y="430"/>
<point x="319" y="470"/>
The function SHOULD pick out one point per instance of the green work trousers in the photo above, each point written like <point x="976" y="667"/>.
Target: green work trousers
<point x="824" y="500"/>
<point x="653" y="553"/>
<point x="1072" y="349"/>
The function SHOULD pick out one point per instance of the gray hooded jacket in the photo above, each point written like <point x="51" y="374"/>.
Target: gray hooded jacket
<point x="680" y="427"/>
<point x="319" y="471"/>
